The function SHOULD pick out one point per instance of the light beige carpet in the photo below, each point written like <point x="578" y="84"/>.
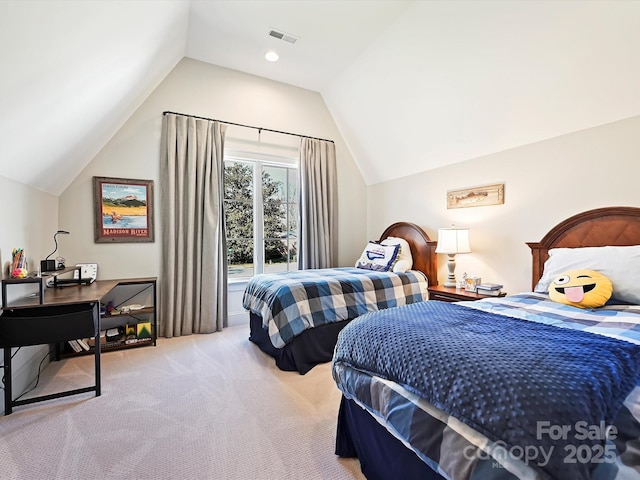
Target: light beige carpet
<point x="197" y="407"/>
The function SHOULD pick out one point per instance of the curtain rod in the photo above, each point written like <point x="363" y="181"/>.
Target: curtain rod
<point x="248" y="126"/>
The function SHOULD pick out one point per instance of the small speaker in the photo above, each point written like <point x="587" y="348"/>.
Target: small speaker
<point x="47" y="265"/>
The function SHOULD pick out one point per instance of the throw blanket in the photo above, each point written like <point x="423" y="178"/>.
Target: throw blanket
<point x="291" y="302"/>
<point x="499" y="375"/>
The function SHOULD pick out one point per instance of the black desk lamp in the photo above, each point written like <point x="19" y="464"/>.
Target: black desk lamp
<point x="47" y="265"/>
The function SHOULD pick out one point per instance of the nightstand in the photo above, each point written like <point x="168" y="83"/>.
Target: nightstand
<point x="451" y="294"/>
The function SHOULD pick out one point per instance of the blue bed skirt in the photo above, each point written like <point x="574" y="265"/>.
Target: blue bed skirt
<point x="305" y="351"/>
<point x="382" y="456"/>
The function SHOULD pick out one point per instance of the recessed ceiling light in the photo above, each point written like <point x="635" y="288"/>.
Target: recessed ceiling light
<point x="271" y="56"/>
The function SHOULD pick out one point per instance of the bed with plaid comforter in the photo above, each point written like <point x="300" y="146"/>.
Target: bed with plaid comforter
<point x="291" y="302"/>
<point x="453" y="447"/>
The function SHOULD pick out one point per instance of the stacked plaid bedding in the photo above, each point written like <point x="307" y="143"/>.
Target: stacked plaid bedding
<point x="291" y="302"/>
<point x="416" y="405"/>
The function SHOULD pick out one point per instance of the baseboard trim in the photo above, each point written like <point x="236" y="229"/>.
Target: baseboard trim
<point x="237" y="319"/>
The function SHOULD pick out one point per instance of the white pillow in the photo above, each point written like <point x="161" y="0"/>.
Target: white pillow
<point x="378" y="257"/>
<point x="620" y="264"/>
<point x="405" y="260"/>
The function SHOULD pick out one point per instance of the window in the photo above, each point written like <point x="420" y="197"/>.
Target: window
<point x="261" y="215"/>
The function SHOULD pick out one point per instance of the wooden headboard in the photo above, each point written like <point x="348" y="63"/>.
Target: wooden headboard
<point x="423" y="249"/>
<point x="617" y="226"/>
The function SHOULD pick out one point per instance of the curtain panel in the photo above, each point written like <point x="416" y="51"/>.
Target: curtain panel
<point x="318" y="245"/>
<point x="193" y="294"/>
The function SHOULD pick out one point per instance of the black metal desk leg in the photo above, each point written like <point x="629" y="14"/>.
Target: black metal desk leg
<point x="8" y="401"/>
<point x="98" y="348"/>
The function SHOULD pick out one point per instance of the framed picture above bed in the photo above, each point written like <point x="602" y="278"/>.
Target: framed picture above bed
<point x="123" y="210"/>
<point x="476" y="196"/>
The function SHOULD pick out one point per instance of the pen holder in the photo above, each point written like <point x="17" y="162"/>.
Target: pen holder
<point x="18" y="264"/>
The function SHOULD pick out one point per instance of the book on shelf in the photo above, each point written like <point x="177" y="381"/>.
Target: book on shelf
<point x="74" y="345"/>
<point x="83" y="343"/>
<point x="143" y="330"/>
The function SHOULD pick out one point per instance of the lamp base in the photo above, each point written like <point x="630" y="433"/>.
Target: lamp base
<point x="451" y="266"/>
<point x="47" y="265"/>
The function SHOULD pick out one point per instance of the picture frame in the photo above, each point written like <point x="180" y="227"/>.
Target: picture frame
<point x="476" y="196"/>
<point x="471" y="284"/>
<point x="123" y="210"/>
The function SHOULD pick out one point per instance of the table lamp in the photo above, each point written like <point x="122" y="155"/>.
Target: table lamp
<point x="452" y="241"/>
<point x="47" y="265"/>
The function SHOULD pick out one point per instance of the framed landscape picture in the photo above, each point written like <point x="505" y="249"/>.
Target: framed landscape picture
<point x="123" y="210"/>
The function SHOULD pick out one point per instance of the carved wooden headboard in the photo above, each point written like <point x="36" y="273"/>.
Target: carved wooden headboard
<point x="618" y="226"/>
<point x="423" y="249"/>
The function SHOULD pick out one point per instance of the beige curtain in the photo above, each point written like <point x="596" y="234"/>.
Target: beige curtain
<point x="318" y="245"/>
<point x="194" y="263"/>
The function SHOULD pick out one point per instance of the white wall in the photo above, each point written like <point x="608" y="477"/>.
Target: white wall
<point x="545" y="182"/>
<point x="29" y="220"/>
<point x="206" y="90"/>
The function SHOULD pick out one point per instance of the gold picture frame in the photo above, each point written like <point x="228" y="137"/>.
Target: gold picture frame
<point x="123" y="210"/>
<point x="476" y="196"/>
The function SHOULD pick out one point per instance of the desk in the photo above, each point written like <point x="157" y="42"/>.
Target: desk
<point x="58" y="315"/>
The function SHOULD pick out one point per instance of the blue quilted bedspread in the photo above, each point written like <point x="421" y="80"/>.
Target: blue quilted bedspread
<point x="499" y="375"/>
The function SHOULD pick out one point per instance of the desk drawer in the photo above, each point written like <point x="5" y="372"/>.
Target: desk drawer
<point x="48" y="324"/>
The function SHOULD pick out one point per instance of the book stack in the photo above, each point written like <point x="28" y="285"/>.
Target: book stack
<point x="492" y="289"/>
<point x="79" y="345"/>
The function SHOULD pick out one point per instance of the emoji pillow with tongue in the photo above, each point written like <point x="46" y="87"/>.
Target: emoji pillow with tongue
<point x="581" y="288"/>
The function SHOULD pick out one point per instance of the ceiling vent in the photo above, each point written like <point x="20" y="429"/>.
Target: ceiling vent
<point x="283" y="36"/>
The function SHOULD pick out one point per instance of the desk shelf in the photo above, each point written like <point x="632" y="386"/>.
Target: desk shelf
<point x="68" y="352"/>
<point x="121" y="295"/>
<point x="22" y="281"/>
<point x="41" y="280"/>
<point x="132" y="313"/>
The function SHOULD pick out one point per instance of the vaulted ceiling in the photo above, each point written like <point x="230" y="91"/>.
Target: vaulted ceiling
<point x="412" y="85"/>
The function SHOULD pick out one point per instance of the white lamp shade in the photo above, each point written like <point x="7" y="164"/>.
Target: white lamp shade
<point x="453" y="240"/>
